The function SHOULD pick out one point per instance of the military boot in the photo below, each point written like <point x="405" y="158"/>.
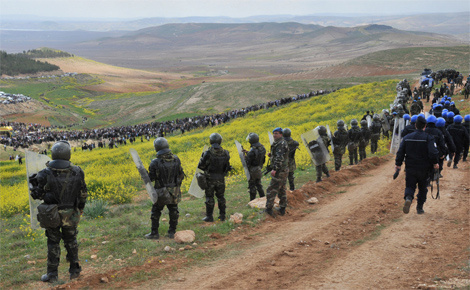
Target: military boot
<point x="419" y="209"/>
<point x="282" y="210"/>
<point x="351" y="160"/>
<point x="50" y="277"/>
<point x="171" y="233"/>
<point x="318" y="179"/>
<point x="74" y="270"/>
<point x="153" y="235"/>
<point x="327" y="173"/>
<point x="270" y="212"/>
<point x="209" y="211"/>
<point x="406" y="206"/>
<point x="221" y="213"/>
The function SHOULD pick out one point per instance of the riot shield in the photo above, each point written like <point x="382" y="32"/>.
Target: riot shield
<point x="271" y="138"/>
<point x="194" y="188"/>
<point x="315" y="147"/>
<point x="385" y="123"/>
<point x="398" y="127"/>
<point x="242" y="158"/>
<point x="331" y="138"/>
<point x="144" y="175"/>
<point x="369" y="121"/>
<point x="34" y="163"/>
<point x="426" y="115"/>
<point x="407" y="122"/>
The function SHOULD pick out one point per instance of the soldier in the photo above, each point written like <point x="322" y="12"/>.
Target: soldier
<point x="340" y="140"/>
<point x="415" y="109"/>
<point x="420" y="104"/>
<point x="363" y="140"/>
<point x="375" y="129"/>
<point x="255" y="159"/>
<point x="293" y="146"/>
<point x="354" y="134"/>
<point x="326" y="141"/>
<point x="460" y="137"/>
<point x="279" y="156"/>
<point x="419" y="151"/>
<point x="215" y="163"/>
<point x="386" y="123"/>
<point x="168" y="175"/>
<point x="61" y="186"/>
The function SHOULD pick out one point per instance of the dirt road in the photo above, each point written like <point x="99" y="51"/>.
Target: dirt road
<point x="356" y="237"/>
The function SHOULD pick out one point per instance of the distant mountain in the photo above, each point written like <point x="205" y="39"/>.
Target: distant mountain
<point x="270" y="48"/>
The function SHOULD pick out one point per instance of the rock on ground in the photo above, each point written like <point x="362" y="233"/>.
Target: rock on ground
<point x="261" y="203"/>
<point x="187" y="236"/>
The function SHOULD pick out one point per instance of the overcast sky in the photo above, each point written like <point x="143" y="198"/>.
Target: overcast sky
<point x="231" y="8"/>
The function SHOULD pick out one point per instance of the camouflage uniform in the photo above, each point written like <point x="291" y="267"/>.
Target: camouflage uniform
<point x="293" y="145"/>
<point x="340" y="140"/>
<point x="280" y="164"/>
<point x="215" y="163"/>
<point x="255" y="159"/>
<point x="167" y="173"/>
<point x="62" y="183"/>
<point x="415" y="108"/>
<point x="363" y="141"/>
<point x="354" y="134"/>
<point x="322" y="168"/>
<point x="375" y="135"/>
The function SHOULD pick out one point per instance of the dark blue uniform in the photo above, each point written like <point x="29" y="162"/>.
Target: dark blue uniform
<point x="419" y="151"/>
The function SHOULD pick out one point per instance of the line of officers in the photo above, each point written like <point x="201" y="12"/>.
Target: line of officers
<point x="166" y="169"/>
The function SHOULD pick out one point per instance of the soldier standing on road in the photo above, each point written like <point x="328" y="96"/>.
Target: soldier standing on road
<point x="375" y="129"/>
<point x="419" y="151"/>
<point x="215" y="163"/>
<point x="168" y="175"/>
<point x="255" y="159"/>
<point x="293" y="146"/>
<point x="354" y="134"/>
<point x="326" y="141"/>
<point x="61" y="184"/>
<point x="340" y="140"/>
<point x="280" y="169"/>
<point x="363" y="140"/>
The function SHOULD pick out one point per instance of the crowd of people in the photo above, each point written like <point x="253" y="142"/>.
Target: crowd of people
<point x="26" y="135"/>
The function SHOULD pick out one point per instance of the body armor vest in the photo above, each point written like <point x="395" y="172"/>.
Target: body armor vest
<point x="65" y="185"/>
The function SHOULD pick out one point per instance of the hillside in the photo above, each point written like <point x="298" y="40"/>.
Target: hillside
<point x="251" y="50"/>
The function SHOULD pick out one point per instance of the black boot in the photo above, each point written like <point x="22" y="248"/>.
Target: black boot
<point x="406" y="207"/>
<point x="419" y="209"/>
<point x="153" y="235"/>
<point x="351" y="159"/>
<point x="74" y="270"/>
<point x="318" y="179"/>
<point x="221" y="212"/>
<point x="282" y="211"/>
<point x="171" y="233"/>
<point x="270" y="212"/>
<point x="209" y="211"/>
<point x="327" y="174"/>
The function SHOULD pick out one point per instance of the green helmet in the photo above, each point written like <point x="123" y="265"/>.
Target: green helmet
<point x="215" y="138"/>
<point x="322" y="130"/>
<point x="376" y="117"/>
<point x="160" y="143"/>
<point x="340" y="124"/>
<point x="286" y="132"/>
<point x="252" y="138"/>
<point x="61" y="150"/>
<point x="363" y="123"/>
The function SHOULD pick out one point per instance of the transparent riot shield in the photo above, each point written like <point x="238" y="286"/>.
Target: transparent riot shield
<point x="315" y="147"/>
<point x="385" y="123"/>
<point x="398" y="127"/>
<point x="331" y="138"/>
<point x="194" y="188"/>
<point x="242" y="158"/>
<point x="271" y="138"/>
<point x="426" y="115"/>
<point x="34" y="163"/>
<point x="144" y="175"/>
<point x="369" y="121"/>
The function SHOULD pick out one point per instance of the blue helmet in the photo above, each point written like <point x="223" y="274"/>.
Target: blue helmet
<point x="450" y="115"/>
<point x="447" y="103"/>
<point x="422" y="115"/>
<point x="406" y="117"/>
<point x="419" y="98"/>
<point x="431" y="119"/>
<point x="445" y="110"/>
<point x="442" y="101"/>
<point x="414" y="101"/>
<point x="444" y="114"/>
<point x="458" y="119"/>
<point x="434" y="105"/>
<point x="452" y="103"/>
<point x="440" y="122"/>
<point x="467" y="118"/>
<point x="449" y="99"/>
<point x="414" y="118"/>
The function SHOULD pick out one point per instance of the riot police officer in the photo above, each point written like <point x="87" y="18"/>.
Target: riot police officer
<point x="255" y="159"/>
<point x="363" y="140"/>
<point x="215" y="162"/>
<point x="340" y="140"/>
<point x="354" y="134"/>
<point x="293" y="146"/>
<point x="168" y="175"/>
<point x="61" y="186"/>
<point x="419" y="151"/>
<point x="375" y="129"/>
<point x="460" y="137"/>
<point x="279" y="156"/>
